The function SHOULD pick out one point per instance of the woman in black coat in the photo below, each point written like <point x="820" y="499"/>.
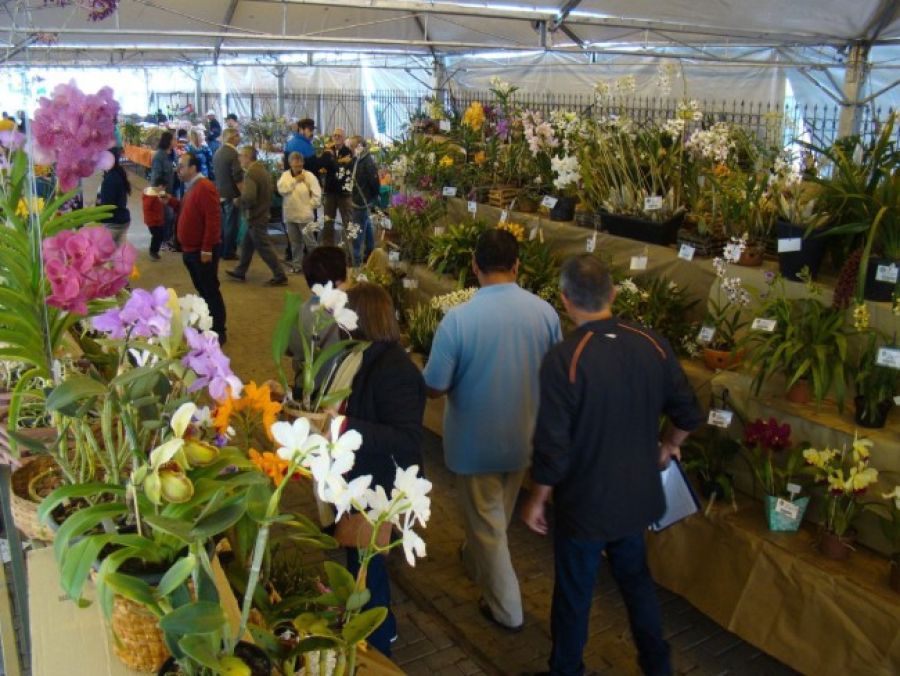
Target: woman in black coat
<point x="386" y="407"/>
<point x="115" y="190"/>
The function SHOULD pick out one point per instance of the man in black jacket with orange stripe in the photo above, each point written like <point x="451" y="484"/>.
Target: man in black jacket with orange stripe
<point x="597" y="451"/>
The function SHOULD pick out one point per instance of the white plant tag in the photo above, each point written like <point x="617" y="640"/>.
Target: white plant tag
<point x="653" y="203"/>
<point x="707" y="333"/>
<point x="886" y="273"/>
<point x="473" y="206"/>
<point x="533" y="234"/>
<point x="438" y="230"/>
<point x="444" y="125"/>
<point x="549" y="201"/>
<point x="410" y="283"/>
<point x="386" y="224"/>
<point x="591" y="243"/>
<point x="897" y="400"/>
<point x="764" y="324"/>
<point x="504" y="215"/>
<point x="888" y="356"/>
<point x="638" y="262"/>
<point x="789" y="509"/>
<point x="720" y="418"/>
<point x="686" y="252"/>
<point x="790" y="244"/>
<point x="394" y="257"/>
<point x="449" y="191"/>
<point x="793" y="488"/>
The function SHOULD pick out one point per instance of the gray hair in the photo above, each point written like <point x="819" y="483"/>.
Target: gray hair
<point x="295" y="156"/>
<point x="250" y="152"/>
<point x="230" y="134"/>
<point x="586" y="281"/>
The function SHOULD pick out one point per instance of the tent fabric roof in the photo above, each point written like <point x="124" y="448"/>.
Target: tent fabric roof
<point x="152" y="32"/>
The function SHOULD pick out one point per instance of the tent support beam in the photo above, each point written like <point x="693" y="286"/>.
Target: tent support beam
<point x="280" y="72"/>
<point x="226" y="22"/>
<point x="854" y="86"/>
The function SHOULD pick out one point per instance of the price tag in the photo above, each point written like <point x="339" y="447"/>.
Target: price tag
<point x="549" y="201"/>
<point x="653" y="203"/>
<point x="789" y="509"/>
<point x="449" y="191"/>
<point x="591" y="243"/>
<point x="638" y="262"/>
<point x="444" y="125"/>
<point x="686" y="252"/>
<point x="438" y="230"/>
<point x="410" y="283"/>
<point x="720" y="418"/>
<point x="473" y="206"/>
<point x="886" y="273"/>
<point x="888" y="356"/>
<point x="504" y="215"/>
<point x="790" y="244"/>
<point x="707" y="333"/>
<point x="764" y="324"/>
<point x="394" y="257"/>
<point x="701" y="180"/>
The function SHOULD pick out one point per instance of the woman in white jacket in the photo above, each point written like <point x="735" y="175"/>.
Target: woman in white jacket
<point x="302" y="193"/>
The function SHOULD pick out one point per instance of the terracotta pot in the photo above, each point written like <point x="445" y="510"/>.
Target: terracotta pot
<point x="722" y="360"/>
<point x="751" y="257"/>
<point x="838" y="548"/>
<point x="894" y="574"/>
<point x="799" y="393"/>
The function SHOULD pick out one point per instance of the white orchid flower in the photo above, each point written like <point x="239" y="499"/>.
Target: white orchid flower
<point x="895" y="495"/>
<point x="334" y="301"/>
<point x="195" y="312"/>
<point x="413" y="545"/>
<point x="379" y="504"/>
<point x="345" y="496"/>
<point x="415" y="490"/>
<point x="294" y="439"/>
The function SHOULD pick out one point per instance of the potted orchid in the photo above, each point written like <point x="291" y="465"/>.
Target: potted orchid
<point x="721" y="332"/>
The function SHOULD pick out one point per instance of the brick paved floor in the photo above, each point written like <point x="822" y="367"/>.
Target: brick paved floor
<point x="440" y="628"/>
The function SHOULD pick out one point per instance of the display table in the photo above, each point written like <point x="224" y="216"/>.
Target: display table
<point x="777" y="592"/>
<point x="138" y="155"/>
<point x="66" y="639"/>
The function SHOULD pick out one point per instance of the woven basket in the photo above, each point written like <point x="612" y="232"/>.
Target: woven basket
<point x="137" y="639"/>
<point x="24" y="509"/>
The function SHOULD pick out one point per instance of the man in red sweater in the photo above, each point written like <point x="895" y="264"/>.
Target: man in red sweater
<point x="200" y="236"/>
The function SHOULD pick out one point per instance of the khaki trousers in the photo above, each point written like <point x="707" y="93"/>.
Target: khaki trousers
<point x="488" y="502"/>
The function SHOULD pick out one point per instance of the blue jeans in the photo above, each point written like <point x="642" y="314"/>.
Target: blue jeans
<point x="231" y="224"/>
<point x="577" y="563"/>
<point x="379" y="585"/>
<point x="366" y="231"/>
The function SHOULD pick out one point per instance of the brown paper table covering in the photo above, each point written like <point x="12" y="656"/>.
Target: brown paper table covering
<point x="139" y="155"/>
<point x="66" y="639"/>
<point x="777" y="592"/>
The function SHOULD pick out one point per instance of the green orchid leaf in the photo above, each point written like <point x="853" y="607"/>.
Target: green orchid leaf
<point x="170" y="526"/>
<point x="176" y="575"/>
<point x="201" y="617"/>
<point x="218" y="522"/>
<point x="73" y="390"/>
<point x="132" y="588"/>
<point x="202" y="650"/>
<point x="77" y="564"/>
<point x="340" y="580"/>
<point x="358" y="599"/>
<point x="361" y="626"/>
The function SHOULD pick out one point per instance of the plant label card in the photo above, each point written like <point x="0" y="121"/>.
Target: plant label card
<point x="591" y="243"/>
<point x="473" y="206"/>
<point x="897" y="400"/>
<point x="653" y="203"/>
<point x="394" y="257"/>
<point x="449" y="191"/>
<point x="764" y="324"/>
<point x="410" y="283"/>
<point x="793" y="488"/>
<point x="386" y="225"/>
<point x="504" y="216"/>
<point x="720" y="418"/>
<point x="549" y="201"/>
<point x="444" y="125"/>
<point x="788" y="509"/>
<point x="886" y="273"/>
<point x="790" y="244"/>
<point x="888" y="356"/>
<point x="686" y="252"/>
<point x="438" y="230"/>
<point x="707" y="333"/>
<point x="638" y="262"/>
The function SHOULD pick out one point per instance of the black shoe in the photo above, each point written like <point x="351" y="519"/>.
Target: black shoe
<point x="232" y="257"/>
<point x="236" y="275"/>
<point x="277" y="281"/>
<point x="488" y="615"/>
<point x="154" y="256"/>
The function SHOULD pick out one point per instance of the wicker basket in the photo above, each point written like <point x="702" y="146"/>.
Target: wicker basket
<point x="24" y="509"/>
<point x="136" y="637"/>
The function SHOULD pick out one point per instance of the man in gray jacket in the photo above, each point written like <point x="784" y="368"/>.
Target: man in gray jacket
<point x="256" y="201"/>
<point x="229" y="175"/>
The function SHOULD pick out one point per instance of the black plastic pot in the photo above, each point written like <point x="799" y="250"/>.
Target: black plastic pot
<point x="653" y="232"/>
<point x="811" y="254"/>
<point x="878" y="418"/>
<point x="874" y="290"/>
<point x="564" y="210"/>
<point x="253" y="656"/>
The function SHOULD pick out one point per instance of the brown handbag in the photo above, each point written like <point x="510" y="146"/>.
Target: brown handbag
<point x="354" y="531"/>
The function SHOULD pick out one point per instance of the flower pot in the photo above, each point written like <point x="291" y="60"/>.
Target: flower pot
<point x="811" y="253"/>
<point x="24" y="506"/>
<point x="875" y="290"/>
<point x="838" y="548"/>
<point x="253" y="656"/>
<point x="799" y="393"/>
<point x="318" y="420"/>
<point x="705" y="246"/>
<point x="894" y="572"/>
<point x="663" y="233"/>
<point x="875" y="419"/>
<point x="781" y="522"/>
<point x="751" y="256"/>
<point x="526" y="205"/>
<point x="564" y="209"/>
<point x="137" y="641"/>
<point x="722" y="360"/>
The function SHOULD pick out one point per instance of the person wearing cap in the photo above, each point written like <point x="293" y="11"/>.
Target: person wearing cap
<point x="214" y="131"/>
<point x="301" y="142"/>
<point x="232" y="122"/>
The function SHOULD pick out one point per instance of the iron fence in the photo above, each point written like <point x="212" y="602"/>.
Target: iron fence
<point x="386" y="113"/>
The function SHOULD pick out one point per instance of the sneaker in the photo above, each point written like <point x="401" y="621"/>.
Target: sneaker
<point x="275" y="281"/>
<point x="166" y="246"/>
<point x="154" y="256"/>
<point x="236" y="275"/>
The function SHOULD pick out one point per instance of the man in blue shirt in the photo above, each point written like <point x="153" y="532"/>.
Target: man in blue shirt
<point x="486" y="357"/>
<point x="301" y="142"/>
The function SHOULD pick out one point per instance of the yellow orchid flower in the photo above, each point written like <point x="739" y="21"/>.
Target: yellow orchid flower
<point x="860" y="479"/>
<point x="168" y="483"/>
<point x="861" y="449"/>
